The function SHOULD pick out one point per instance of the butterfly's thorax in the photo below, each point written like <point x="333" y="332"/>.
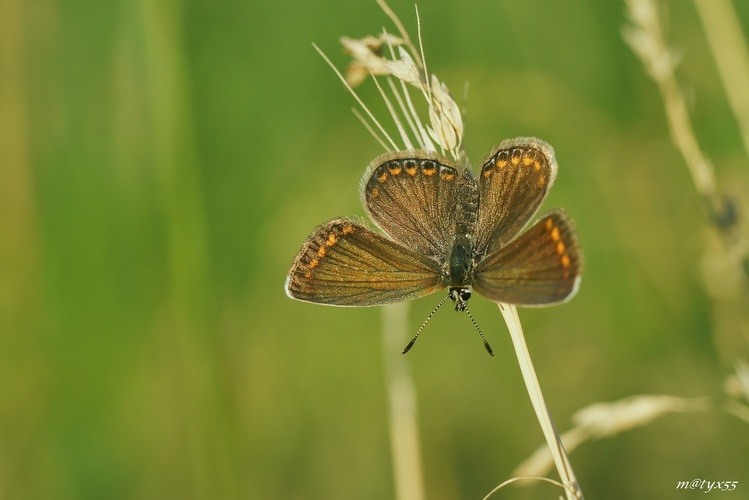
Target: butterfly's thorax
<point x="460" y="261"/>
<point x="467" y="201"/>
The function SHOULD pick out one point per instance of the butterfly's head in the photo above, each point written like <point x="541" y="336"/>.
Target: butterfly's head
<point x="460" y="295"/>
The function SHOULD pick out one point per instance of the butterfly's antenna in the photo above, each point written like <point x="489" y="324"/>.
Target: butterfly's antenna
<point x="413" y="340"/>
<point x="486" y="344"/>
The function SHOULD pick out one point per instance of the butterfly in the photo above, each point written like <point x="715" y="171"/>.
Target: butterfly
<point x="444" y="228"/>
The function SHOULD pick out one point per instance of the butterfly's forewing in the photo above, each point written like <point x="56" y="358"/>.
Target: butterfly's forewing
<point x="343" y="263"/>
<point x="540" y="267"/>
<point x="513" y="182"/>
<point x="411" y="196"/>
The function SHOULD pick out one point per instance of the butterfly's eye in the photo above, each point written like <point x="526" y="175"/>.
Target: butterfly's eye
<point x="464" y="294"/>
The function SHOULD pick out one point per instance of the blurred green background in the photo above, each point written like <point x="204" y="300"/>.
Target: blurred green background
<point x="161" y="162"/>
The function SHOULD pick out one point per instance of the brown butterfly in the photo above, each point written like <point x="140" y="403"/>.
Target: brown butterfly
<point x="445" y="229"/>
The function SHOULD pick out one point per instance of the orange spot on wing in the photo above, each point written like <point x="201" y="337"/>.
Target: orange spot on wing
<point x="383" y="177"/>
<point x="527" y="161"/>
<point x="549" y="224"/>
<point x="332" y="240"/>
<point x="560" y="248"/>
<point x="541" y="180"/>
<point x="447" y="176"/>
<point x="566" y="260"/>
<point x="515" y="160"/>
<point x="429" y="171"/>
<point x="374" y="193"/>
<point x="314" y="263"/>
<point x="501" y="163"/>
<point x="554" y="232"/>
<point x="321" y="251"/>
<point x="411" y="170"/>
<point x="537" y="165"/>
<point x="487" y="172"/>
<point x="395" y="170"/>
<point x="348" y="229"/>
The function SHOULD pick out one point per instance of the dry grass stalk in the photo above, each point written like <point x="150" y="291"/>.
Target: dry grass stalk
<point x="601" y="420"/>
<point x="726" y="42"/>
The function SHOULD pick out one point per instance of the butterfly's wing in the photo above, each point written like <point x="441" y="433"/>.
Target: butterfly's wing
<point x="345" y="264"/>
<point x="540" y="267"/>
<point x="411" y="196"/>
<point x="513" y="182"/>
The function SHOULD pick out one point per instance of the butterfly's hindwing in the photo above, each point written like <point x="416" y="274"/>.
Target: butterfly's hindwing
<point x="344" y="263"/>
<point x="540" y="267"/>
